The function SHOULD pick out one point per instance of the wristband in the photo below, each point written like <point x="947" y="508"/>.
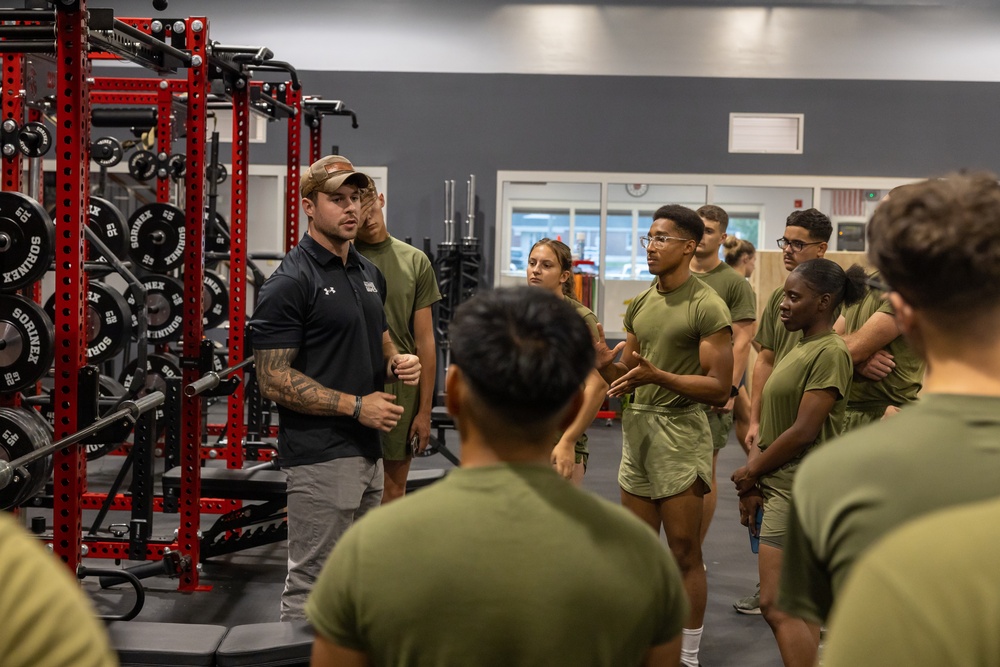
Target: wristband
<point x="734" y="392"/>
<point x="357" y="408"/>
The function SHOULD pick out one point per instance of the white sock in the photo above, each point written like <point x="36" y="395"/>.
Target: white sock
<point x="690" y="645"/>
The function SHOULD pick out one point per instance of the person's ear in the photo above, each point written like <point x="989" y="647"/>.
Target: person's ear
<point x="381" y="200"/>
<point x="454" y="388"/>
<point x="308" y="206"/>
<point x="825" y="300"/>
<point x="571" y="410"/>
<point x="904" y="314"/>
<point x="822" y="247"/>
<point x="565" y="276"/>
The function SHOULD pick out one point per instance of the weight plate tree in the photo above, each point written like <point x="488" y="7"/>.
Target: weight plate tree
<point x="27" y="238"/>
<point x="27" y="342"/>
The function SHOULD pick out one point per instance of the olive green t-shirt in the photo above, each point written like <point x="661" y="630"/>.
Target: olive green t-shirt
<point x="771" y="333"/>
<point x="496" y="566"/>
<point x="588" y="317"/>
<point x="816" y="362"/>
<point x="941" y="451"/>
<point x="902" y="385"/>
<point x="410" y="286"/>
<point x="47" y="620"/>
<point x="669" y="327"/>
<point x="925" y="596"/>
<point x="734" y="289"/>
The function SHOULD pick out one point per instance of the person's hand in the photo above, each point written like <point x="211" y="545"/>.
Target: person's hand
<point x="378" y="411"/>
<point x="753" y="435"/>
<point x="421" y="428"/>
<point x="644" y="373"/>
<point x="605" y="356"/>
<point x="877" y="366"/>
<point x="890" y="411"/>
<point x="749" y="504"/>
<point x="405" y="367"/>
<point x="727" y="408"/>
<point x="744" y="481"/>
<point x="564" y="458"/>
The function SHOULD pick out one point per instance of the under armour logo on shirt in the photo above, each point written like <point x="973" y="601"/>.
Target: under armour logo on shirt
<point x="329" y="290"/>
<point x="371" y="287"/>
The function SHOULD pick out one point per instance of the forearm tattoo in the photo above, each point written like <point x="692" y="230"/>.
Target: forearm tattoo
<point x="291" y="388"/>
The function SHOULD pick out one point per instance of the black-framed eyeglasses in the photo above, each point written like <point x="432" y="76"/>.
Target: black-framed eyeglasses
<point x="878" y="285"/>
<point x="658" y="240"/>
<point x="797" y="246"/>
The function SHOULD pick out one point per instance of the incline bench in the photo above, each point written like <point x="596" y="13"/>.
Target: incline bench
<point x="265" y="521"/>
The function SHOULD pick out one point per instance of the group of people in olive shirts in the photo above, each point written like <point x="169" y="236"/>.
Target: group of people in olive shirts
<point x="831" y="358"/>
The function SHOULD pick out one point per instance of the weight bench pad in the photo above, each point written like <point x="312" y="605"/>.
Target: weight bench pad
<point x="144" y="644"/>
<point x="266" y="645"/>
<point x="234" y="483"/>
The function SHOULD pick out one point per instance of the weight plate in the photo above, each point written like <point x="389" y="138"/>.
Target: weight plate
<point x="215" y="300"/>
<point x="110" y="226"/>
<point x="34" y="139"/>
<point x="221" y="174"/>
<point x="219" y="240"/>
<point x="156" y="237"/>
<point x="27" y="341"/>
<point x="107" y="151"/>
<point x="108" y="316"/>
<point x="159" y="368"/>
<point x="27" y="241"/>
<point x="142" y="165"/>
<point x="20" y="434"/>
<point x="177" y="164"/>
<point x="164" y="311"/>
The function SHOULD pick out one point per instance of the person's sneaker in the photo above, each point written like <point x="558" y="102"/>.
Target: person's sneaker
<point x="750" y="604"/>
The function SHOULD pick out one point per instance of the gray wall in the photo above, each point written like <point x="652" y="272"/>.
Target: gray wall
<point x="429" y="127"/>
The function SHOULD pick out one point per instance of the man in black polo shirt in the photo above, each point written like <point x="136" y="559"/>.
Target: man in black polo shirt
<point x="323" y="353"/>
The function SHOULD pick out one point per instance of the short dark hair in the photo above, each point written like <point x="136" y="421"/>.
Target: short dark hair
<point x="813" y="221"/>
<point x="938" y="243"/>
<point x="825" y="276"/>
<point x="524" y="351"/>
<point x="715" y="214"/>
<point x="686" y="220"/>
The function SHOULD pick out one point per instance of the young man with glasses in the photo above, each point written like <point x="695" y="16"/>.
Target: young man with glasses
<point x="937" y="243"/>
<point x="806" y="236"/>
<point x="677" y="356"/>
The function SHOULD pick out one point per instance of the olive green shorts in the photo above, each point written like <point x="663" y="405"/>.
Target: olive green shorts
<point x="582" y="453"/>
<point x="777" y="489"/>
<point x="855" y="417"/>
<point x="720" y="425"/>
<point x="395" y="443"/>
<point x="664" y="450"/>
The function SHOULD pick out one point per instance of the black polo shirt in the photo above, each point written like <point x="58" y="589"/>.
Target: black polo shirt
<point x="332" y="313"/>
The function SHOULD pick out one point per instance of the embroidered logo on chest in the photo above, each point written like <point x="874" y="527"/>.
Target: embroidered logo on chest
<point x="329" y="290"/>
<point x="371" y="287"/>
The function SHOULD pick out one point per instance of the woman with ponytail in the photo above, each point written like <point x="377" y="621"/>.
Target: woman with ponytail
<point x="802" y="406"/>
<point x="550" y="266"/>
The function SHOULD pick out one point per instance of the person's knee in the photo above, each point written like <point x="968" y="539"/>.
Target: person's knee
<point x="686" y="551"/>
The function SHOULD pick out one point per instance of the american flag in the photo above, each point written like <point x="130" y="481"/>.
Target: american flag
<point x="848" y="203"/>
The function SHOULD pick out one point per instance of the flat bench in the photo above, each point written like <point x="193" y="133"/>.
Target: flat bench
<point x="144" y="644"/>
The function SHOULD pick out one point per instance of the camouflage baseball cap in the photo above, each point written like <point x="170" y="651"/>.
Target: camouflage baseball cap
<point x="329" y="173"/>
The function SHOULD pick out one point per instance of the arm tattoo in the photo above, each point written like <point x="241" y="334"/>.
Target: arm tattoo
<point x="291" y="388"/>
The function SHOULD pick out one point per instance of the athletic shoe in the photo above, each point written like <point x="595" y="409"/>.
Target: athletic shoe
<point x="750" y="604"/>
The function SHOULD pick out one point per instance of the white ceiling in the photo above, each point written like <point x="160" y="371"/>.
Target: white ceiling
<point x="947" y="40"/>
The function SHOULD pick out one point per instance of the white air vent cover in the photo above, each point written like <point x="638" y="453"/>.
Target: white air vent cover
<point x="765" y="132"/>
